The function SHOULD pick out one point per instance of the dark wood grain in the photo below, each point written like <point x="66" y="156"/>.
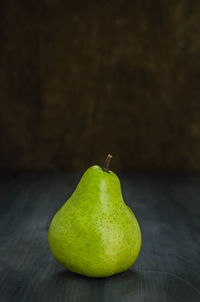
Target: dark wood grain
<point x="79" y="80"/>
<point x="167" y="270"/>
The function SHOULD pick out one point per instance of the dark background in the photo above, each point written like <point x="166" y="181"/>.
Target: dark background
<point x="80" y="79"/>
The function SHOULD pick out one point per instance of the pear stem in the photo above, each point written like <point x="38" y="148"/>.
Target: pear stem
<point x="107" y="163"/>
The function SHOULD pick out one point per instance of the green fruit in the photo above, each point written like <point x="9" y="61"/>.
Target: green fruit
<point x="95" y="233"/>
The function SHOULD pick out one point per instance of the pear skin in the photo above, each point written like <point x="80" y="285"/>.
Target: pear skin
<point x="95" y="233"/>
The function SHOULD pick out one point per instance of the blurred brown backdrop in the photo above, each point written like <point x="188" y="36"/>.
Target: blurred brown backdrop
<point x="79" y="79"/>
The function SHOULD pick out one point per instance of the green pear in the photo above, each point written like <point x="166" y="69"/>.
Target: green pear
<point x="95" y="233"/>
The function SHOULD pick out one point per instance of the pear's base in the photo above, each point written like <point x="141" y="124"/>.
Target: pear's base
<point x="103" y="273"/>
<point x="97" y="276"/>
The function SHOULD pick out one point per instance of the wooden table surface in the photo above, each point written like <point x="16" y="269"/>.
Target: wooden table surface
<point x="167" y="270"/>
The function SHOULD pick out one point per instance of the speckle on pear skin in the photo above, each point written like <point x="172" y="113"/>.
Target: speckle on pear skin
<point x="95" y="233"/>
